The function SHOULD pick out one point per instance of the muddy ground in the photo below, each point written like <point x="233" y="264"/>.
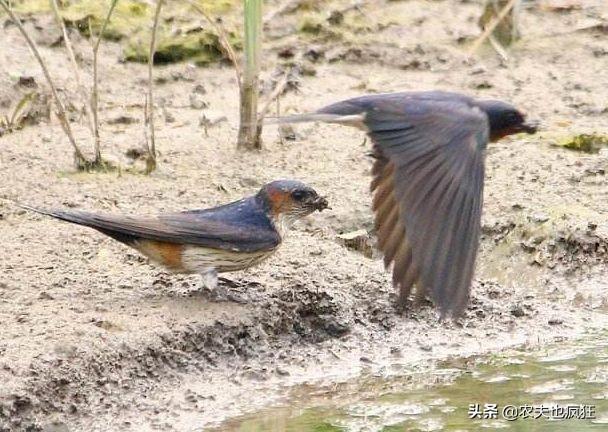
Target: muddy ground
<point x="95" y="338"/>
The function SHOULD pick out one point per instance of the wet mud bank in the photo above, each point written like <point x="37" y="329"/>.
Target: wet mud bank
<point x="297" y="333"/>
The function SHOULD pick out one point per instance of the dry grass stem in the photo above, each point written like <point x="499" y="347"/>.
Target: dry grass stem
<point x="151" y="145"/>
<point x="81" y="161"/>
<point x="74" y="64"/>
<point x="95" y="90"/>
<point x="276" y="92"/>
<point x="490" y="28"/>
<point x="500" y="50"/>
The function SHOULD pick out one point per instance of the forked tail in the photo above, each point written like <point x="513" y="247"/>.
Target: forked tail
<point x="107" y="225"/>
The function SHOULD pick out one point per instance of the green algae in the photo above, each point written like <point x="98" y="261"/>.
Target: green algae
<point x="586" y="143"/>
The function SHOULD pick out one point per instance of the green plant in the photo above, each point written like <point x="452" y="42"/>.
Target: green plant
<point x="18" y="114"/>
<point x="251" y="119"/>
<point x="249" y="132"/>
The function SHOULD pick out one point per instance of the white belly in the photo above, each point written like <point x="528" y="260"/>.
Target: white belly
<point x="196" y="259"/>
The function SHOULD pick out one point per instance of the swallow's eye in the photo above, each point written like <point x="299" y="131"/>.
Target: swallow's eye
<point x="298" y="195"/>
<point x="516" y="117"/>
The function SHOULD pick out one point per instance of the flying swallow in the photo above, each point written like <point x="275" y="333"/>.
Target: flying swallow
<point x="227" y="238"/>
<point x="428" y="175"/>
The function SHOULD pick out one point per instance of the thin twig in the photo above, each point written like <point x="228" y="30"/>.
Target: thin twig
<point x="151" y="160"/>
<point x="81" y="161"/>
<point x="490" y="28"/>
<point x="276" y="92"/>
<point x="224" y="42"/>
<point x="278" y="114"/>
<point x="498" y="48"/>
<point x="146" y="120"/>
<point x="75" y="68"/>
<point x="95" y="91"/>
<point x="274" y="96"/>
<point x="332" y="352"/>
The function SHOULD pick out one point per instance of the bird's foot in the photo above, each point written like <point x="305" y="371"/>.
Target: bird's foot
<point x="405" y="309"/>
<point x="224" y="294"/>
<point x="230" y="283"/>
<point x="238" y="284"/>
<point x="217" y="289"/>
<point x="423" y="302"/>
<point x="237" y="297"/>
<point x="412" y="306"/>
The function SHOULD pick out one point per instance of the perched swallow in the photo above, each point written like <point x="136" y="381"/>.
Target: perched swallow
<point x="231" y="237"/>
<point x="428" y="174"/>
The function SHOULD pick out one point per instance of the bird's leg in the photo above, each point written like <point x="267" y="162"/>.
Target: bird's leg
<point x="218" y="291"/>
<point x="422" y="299"/>
<point x="210" y="278"/>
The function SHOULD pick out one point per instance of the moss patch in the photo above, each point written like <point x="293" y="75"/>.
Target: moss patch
<point x="326" y="427"/>
<point x="202" y="46"/>
<point x="312" y="24"/>
<point x="182" y="34"/>
<point x="340" y="23"/>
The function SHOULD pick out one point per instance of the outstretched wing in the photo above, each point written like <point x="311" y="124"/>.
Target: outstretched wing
<point x="251" y="233"/>
<point x="428" y="187"/>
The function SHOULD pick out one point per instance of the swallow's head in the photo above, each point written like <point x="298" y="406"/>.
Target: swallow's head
<point x="505" y="119"/>
<point x="291" y="199"/>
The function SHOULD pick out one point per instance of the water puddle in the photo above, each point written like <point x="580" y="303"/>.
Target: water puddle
<point x="561" y="387"/>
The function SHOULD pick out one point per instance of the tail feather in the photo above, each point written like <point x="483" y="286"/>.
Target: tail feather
<point x="85" y="219"/>
<point x="353" y="119"/>
<point x="73" y="217"/>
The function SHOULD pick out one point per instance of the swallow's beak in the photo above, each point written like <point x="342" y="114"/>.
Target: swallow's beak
<point x="319" y="203"/>
<point x="529" y="126"/>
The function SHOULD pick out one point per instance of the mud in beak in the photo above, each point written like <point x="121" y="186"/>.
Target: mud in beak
<point x="529" y="126"/>
<point x="319" y="203"/>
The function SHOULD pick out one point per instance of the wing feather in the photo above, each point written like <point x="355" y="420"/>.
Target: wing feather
<point x="428" y="188"/>
<point x="201" y="228"/>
